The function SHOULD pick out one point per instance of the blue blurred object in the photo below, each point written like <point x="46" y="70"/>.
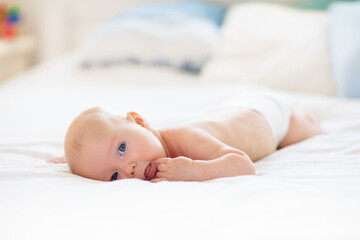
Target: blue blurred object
<point x="180" y="10"/>
<point x="317" y="4"/>
<point x="14" y="14"/>
<point x="345" y="47"/>
<point x="181" y="35"/>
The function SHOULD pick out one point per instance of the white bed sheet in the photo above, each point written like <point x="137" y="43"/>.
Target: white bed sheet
<point x="310" y="190"/>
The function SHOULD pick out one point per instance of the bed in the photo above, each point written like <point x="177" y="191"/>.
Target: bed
<point x="309" y="190"/>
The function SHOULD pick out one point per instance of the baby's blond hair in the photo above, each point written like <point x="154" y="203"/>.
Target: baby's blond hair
<point x="74" y="136"/>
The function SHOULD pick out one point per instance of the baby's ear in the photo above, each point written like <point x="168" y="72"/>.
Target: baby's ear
<point x="137" y="118"/>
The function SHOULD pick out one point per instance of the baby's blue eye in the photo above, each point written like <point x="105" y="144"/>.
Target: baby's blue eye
<point x="122" y="148"/>
<point x="114" y="176"/>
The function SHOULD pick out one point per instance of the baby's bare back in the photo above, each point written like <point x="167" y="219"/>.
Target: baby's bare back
<point x="243" y="129"/>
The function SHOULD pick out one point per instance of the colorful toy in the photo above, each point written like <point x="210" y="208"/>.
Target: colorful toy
<point x="9" y="21"/>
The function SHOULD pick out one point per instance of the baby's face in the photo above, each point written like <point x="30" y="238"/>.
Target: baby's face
<point x="118" y="148"/>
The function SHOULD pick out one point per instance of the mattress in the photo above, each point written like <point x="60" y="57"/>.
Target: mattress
<point x="309" y="190"/>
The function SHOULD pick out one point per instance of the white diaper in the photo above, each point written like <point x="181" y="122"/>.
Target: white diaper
<point x="276" y="112"/>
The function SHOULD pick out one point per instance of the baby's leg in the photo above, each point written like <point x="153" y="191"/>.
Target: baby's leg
<point x="303" y="125"/>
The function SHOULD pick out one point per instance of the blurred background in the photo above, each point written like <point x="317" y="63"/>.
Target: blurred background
<point x="56" y="26"/>
<point x="33" y="31"/>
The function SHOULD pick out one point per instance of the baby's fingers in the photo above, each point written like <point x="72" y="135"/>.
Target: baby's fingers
<point x="161" y="160"/>
<point x="162" y="174"/>
<point x="156" y="180"/>
<point x="57" y="160"/>
<point x="162" y="167"/>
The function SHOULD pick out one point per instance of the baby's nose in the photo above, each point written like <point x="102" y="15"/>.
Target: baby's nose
<point x="131" y="170"/>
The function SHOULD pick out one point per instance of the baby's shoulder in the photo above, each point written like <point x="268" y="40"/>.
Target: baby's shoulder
<point x="190" y="141"/>
<point x="188" y="132"/>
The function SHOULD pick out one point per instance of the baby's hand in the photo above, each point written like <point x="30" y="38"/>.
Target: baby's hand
<point x="174" y="169"/>
<point x="57" y="160"/>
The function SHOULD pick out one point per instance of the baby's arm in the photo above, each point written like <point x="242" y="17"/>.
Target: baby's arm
<point x="228" y="162"/>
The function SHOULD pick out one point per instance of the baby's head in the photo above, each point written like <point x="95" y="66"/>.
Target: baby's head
<point x="104" y="146"/>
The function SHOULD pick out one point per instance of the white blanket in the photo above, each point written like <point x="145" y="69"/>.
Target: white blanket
<point x="309" y="190"/>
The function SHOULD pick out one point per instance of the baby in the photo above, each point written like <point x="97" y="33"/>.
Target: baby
<point x="106" y="146"/>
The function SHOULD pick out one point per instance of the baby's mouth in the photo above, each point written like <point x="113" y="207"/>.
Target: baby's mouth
<point x="150" y="171"/>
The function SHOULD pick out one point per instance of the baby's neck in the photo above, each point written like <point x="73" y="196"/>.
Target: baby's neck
<point x="157" y="134"/>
